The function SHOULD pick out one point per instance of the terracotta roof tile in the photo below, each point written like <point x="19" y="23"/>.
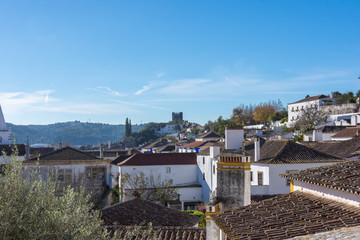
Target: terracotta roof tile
<point x="286" y="216"/>
<point x="348" y="132"/>
<point x="312" y="98"/>
<point x="159" y="159"/>
<point x="209" y="135"/>
<point x="340" y="149"/>
<point x="66" y="153"/>
<point x="331" y="129"/>
<point x="168" y="233"/>
<point x="343" y="176"/>
<point x="140" y="212"/>
<point x="195" y="144"/>
<point x="285" y="151"/>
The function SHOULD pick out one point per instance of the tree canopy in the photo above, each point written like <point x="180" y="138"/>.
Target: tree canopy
<point x="30" y="208"/>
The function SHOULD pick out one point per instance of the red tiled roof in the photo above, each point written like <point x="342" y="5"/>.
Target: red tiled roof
<point x="285" y="151"/>
<point x="66" y="153"/>
<point x="348" y="132"/>
<point x="287" y="216"/>
<point x="341" y="149"/>
<point x="141" y="212"/>
<point x="159" y="159"/>
<point x="343" y="176"/>
<point x="312" y="98"/>
<point x="195" y="144"/>
<point x="209" y="135"/>
<point x="163" y="233"/>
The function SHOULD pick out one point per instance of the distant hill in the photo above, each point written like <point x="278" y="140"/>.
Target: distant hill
<point x="76" y="133"/>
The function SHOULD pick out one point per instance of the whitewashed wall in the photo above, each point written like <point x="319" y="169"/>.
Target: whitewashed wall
<point x="275" y="183"/>
<point x="332" y="194"/>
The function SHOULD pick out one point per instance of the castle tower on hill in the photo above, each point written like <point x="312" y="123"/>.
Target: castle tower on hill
<point x="5" y="133"/>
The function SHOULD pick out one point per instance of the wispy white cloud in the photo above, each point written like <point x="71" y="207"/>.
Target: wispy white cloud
<point x="25" y="98"/>
<point x="107" y="90"/>
<point x="144" y="89"/>
<point x="160" y="74"/>
<point x="185" y="86"/>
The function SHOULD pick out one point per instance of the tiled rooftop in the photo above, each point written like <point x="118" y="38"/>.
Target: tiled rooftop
<point x="332" y="129"/>
<point x="170" y="233"/>
<point x="287" y="216"/>
<point x="348" y="132"/>
<point x="66" y="153"/>
<point x="209" y="135"/>
<point x="312" y="98"/>
<point x="285" y="151"/>
<point x="341" y="149"/>
<point x="140" y="212"/>
<point x="159" y="159"/>
<point x="343" y="176"/>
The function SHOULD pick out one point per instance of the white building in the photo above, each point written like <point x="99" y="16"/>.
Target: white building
<point x="181" y="168"/>
<point x="295" y="109"/>
<point x="76" y="168"/>
<point x="338" y="182"/>
<point x="207" y="161"/>
<point x="5" y="133"/>
<point x="273" y="157"/>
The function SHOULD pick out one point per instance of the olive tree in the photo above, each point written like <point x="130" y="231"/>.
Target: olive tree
<point x="31" y="209"/>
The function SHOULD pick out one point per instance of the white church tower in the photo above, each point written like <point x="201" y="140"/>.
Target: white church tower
<point x="5" y="133"/>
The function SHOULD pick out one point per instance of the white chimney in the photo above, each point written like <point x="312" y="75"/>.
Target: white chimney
<point x="353" y="120"/>
<point x="214" y="151"/>
<point x="109" y="144"/>
<point x="257" y="149"/>
<point x="234" y="138"/>
<point x="101" y="151"/>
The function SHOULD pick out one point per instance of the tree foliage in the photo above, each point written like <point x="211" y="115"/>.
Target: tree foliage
<point x="310" y="117"/>
<point x="263" y="112"/>
<point x="343" y="98"/>
<point x="30" y="208"/>
<point x="147" y="187"/>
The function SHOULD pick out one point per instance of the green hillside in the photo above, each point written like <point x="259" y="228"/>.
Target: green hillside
<point x="76" y="133"/>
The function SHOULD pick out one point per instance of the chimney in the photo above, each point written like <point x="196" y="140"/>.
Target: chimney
<point x="331" y="95"/>
<point x="214" y="151"/>
<point x="101" y="151"/>
<point x="257" y="149"/>
<point x="234" y="138"/>
<point x="60" y="145"/>
<point x="27" y="154"/>
<point x="233" y="180"/>
<point x="109" y="144"/>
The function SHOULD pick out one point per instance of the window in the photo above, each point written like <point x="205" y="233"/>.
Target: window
<point x="214" y="169"/>
<point x="251" y="176"/>
<point x="95" y="178"/>
<point x="203" y="176"/>
<point x="203" y="160"/>
<point x="260" y="179"/>
<point x="168" y="169"/>
<point x="64" y="178"/>
<point x="292" y="109"/>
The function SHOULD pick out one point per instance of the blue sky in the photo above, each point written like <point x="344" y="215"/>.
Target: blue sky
<point x="104" y="61"/>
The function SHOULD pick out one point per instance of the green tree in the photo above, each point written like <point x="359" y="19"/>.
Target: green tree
<point x="30" y="208"/>
<point x="263" y="112"/>
<point x="127" y="127"/>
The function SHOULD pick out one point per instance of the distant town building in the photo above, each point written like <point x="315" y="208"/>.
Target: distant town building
<point x="177" y="116"/>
